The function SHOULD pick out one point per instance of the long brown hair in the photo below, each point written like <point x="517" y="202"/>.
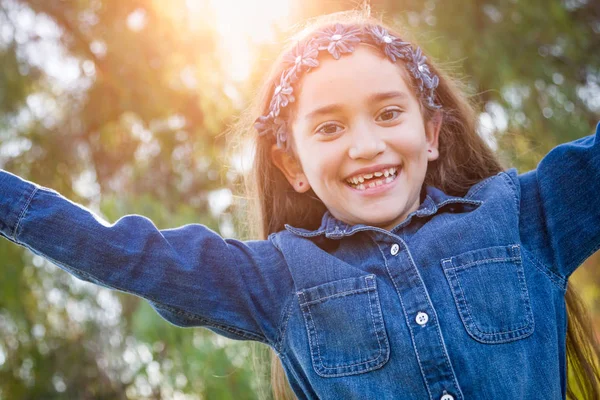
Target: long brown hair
<point x="464" y="160"/>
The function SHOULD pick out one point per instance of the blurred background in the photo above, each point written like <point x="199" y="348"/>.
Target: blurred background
<point x="121" y="105"/>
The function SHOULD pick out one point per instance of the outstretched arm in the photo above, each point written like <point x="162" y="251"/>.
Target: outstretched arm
<point x="560" y="205"/>
<point x="191" y="275"/>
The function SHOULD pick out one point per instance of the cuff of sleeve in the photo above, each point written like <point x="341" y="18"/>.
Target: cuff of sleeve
<point x="15" y="197"/>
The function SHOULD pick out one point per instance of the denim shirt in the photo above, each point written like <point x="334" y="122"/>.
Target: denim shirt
<point x="462" y="300"/>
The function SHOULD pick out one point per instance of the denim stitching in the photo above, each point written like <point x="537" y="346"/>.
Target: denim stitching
<point x="341" y="294"/>
<point x="511" y="185"/>
<point x="460" y="201"/>
<point x="474" y="325"/>
<point x="525" y="291"/>
<point x="475" y="189"/>
<point x="23" y="212"/>
<point x="486" y="261"/>
<point x="437" y="330"/>
<point x="499" y="332"/>
<point x="343" y="366"/>
<point x="382" y="330"/>
<point x="425" y="212"/>
<point x="209" y="322"/>
<point x="307" y="318"/>
<point x="283" y="326"/>
<point x="304" y="234"/>
<point x="316" y="338"/>
<point x="543" y="212"/>
<point x="309" y="332"/>
<point x="554" y="278"/>
<point x="373" y="322"/>
<point x="273" y="239"/>
<point x="405" y="316"/>
<point x="493" y="334"/>
<point x="516" y="190"/>
<point x="459" y="391"/>
<point x="443" y="344"/>
<point x="452" y="279"/>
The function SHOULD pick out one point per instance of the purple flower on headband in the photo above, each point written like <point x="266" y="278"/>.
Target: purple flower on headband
<point x="426" y="80"/>
<point x="269" y="125"/>
<point x="338" y="39"/>
<point x="304" y="55"/>
<point x="420" y="70"/>
<point x="393" y="47"/>
<point x="264" y="125"/>
<point x="280" y="132"/>
<point x="282" y="95"/>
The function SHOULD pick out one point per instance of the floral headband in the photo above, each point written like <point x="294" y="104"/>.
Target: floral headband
<point x="337" y="40"/>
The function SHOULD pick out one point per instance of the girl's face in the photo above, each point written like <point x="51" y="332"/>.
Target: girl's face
<point x="360" y="139"/>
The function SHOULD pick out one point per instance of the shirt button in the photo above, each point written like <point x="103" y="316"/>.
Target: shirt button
<point x="422" y="319"/>
<point x="447" y="397"/>
<point x="395" y="249"/>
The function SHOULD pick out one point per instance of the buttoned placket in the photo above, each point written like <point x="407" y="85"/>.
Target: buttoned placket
<point x="421" y="319"/>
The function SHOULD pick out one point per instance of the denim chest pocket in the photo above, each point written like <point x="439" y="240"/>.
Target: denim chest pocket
<point x="490" y="292"/>
<point x="344" y="322"/>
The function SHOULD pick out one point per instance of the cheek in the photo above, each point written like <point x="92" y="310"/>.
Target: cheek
<point x="411" y="138"/>
<point x="321" y="166"/>
<point x="410" y="145"/>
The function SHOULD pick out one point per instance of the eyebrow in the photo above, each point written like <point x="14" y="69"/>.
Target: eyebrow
<point x="374" y="98"/>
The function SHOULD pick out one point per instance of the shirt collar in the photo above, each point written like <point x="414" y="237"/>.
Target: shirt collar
<point x="434" y="200"/>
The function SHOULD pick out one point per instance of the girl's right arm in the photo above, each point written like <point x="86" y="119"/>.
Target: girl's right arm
<point x="191" y="275"/>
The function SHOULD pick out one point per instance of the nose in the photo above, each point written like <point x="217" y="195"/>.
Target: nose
<point x="366" y="144"/>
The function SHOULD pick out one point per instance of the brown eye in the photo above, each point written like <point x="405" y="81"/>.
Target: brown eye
<point x="329" y="129"/>
<point x="388" y="115"/>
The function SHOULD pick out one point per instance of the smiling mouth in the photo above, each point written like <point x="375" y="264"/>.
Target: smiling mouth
<point x="372" y="180"/>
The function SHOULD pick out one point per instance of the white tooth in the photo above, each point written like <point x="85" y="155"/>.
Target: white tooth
<point x="371" y="184"/>
<point x="368" y="176"/>
<point x="386" y="173"/>
<point x="389" y="179"/>
<point x="361" y="179"/>
<point x="355" y="181"/>
<point x="361" y="187"/>
<point x="393" y="170"/>
<point x="378" y="174"/>
<point x="379" y="182"/>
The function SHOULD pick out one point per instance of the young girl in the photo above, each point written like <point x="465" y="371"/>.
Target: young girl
<point x="398" y="259"/>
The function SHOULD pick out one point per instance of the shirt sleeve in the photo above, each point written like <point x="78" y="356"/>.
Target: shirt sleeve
<point x="560" y="205"/>
<point x="190" y="275"/>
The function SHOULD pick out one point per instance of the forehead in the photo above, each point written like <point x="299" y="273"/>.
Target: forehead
<point x="353" y="77"/>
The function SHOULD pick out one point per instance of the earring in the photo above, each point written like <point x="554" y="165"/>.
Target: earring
<point x="429" y="151"/>
<point x="300" y="183"/>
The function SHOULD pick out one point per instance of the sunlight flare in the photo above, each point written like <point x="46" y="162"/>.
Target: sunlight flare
<point x="243" y="25"/>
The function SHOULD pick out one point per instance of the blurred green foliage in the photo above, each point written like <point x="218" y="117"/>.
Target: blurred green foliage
<point x="138" y="131"/>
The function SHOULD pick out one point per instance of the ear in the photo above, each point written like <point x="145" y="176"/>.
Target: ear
<point x="291" y="169"/>
<point x="432" y="131"/>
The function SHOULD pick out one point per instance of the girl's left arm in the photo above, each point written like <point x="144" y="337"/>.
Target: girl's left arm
<point x="560" y="205"/>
